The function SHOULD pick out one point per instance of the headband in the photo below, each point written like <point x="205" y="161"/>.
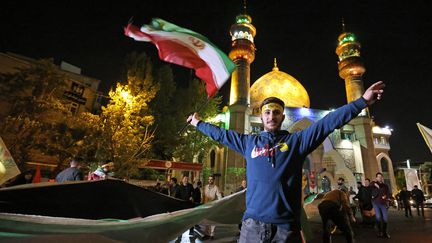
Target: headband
<point x="272" y="106"/>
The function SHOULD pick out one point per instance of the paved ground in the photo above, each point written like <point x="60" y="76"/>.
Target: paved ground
<point x="412" y="230"/>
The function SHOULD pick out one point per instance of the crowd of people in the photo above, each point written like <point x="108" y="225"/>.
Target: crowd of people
<point x="372" y="199"/>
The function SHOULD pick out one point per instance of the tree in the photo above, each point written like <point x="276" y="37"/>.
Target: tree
<point x="122" y="131"/>
<point x="193" y="145"/>
<point x="166" y="114"/>
<point x="32" y="93"/>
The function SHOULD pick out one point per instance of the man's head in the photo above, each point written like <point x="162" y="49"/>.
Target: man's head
<point x="76" y="162"/>
<point x="199" y="184"/>
<point x="107" y="166"/>
<point x="379" y="177"/>
<point x="404" y="188"/>
<point x="272" y="115"/>
<point x="210" y="180"/>
<point x="340" y="181"/>
<point x="415" y="187"/>
<point x="173" y="181"/>
<point x="243" y="183"/>
<point x="185" y="180"/>
<point x="359" y="184"/>
<point x="367" y="182"/>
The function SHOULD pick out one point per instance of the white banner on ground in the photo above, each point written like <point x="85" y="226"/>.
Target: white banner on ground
<point x="155" y="228"/>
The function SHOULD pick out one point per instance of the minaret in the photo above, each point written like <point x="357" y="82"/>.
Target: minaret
<point x="351" y="69"/>
<point x="350" y="65"/>
<point x="243" y="54"/>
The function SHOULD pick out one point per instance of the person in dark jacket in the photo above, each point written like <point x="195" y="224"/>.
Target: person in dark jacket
<point x="405" y="197"/>
<point x="172" y="190"/>
<point x="73" y="173"/>
<point x="380" y="198"/>
<point x="185" y="192"/>
<point x="419" y="199"/>
<point x="274" y="161"/>
<point x="197" y="198"/>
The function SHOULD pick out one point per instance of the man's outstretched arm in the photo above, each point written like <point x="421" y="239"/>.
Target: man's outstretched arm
<point x="230" y="138"/>
<point x="315" y="134"/>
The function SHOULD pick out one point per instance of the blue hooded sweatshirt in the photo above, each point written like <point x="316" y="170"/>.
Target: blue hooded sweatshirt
<point x="274" y="163"/>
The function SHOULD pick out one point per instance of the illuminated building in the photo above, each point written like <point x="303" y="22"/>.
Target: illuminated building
<point x="356" y="151"/>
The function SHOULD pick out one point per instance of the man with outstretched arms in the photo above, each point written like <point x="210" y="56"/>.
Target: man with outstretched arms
<point x="274" y="165"/>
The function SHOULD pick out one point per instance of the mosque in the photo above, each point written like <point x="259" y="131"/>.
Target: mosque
<point x="354" y="152"/>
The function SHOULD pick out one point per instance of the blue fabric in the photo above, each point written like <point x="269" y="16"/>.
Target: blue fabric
<point x="381" y="213"/>
<point x="274" y="175"/>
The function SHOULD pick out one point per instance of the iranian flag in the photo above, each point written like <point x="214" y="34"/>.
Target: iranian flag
<point x="186" y="48"/>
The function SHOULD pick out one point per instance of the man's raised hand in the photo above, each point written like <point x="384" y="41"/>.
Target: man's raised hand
<point x="193" y="119"/>
<point x="374" y="92"/>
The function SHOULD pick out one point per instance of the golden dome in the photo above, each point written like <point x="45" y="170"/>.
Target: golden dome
<point x="281" y="85"/>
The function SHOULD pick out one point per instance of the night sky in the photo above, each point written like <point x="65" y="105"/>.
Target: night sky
<point x="396" y="39"/>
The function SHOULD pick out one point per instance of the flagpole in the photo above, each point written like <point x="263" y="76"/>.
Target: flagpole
<point x="199" y="109"/>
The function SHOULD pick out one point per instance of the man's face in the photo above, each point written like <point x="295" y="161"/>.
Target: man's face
<point x="185" y="180"/>
<point x="379" y="178"/>
<point x="340" y="182"/>
<point x="243" y="183"/>
<point x="210" y="180"/>
<point x="272" y="117"/>
<point x="366" y="183"/>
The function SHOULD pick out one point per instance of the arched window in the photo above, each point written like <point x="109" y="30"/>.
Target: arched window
<point x="384" y="165"/>
<point x="212" y="158"/>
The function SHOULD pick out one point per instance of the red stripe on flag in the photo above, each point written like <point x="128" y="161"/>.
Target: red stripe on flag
<point x="175" y="52"/>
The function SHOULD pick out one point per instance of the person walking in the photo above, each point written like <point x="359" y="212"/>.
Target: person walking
<point x="364" y="197"/>
<point x="211" y="193"/>
<point x="405" y="197"/>
<point x="185" y="192"/>
<point x="73" y="173"/>
<point x="380" y="198"/>
<point x="335" y="207"/>
<point x="419" y="199"/>
<point x="274" y="161"/>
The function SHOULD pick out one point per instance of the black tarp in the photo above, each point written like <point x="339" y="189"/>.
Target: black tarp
<point x="104" y="199"/>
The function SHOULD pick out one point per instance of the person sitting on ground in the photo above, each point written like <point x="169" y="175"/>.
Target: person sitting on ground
<point x="73" y="173"/>
<point x="102" y="172"/>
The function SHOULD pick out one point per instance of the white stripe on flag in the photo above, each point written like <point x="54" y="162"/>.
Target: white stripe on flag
<point x="208" y="53"/>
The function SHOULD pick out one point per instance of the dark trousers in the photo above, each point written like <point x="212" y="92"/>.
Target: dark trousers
<point x="254" y="231"/>
<point x="330" y="211"/>
<point x="418" y="206"/>
<point x="407" y="207"/>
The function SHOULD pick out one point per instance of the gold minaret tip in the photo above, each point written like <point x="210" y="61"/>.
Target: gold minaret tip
<point x="275" y="68"/>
